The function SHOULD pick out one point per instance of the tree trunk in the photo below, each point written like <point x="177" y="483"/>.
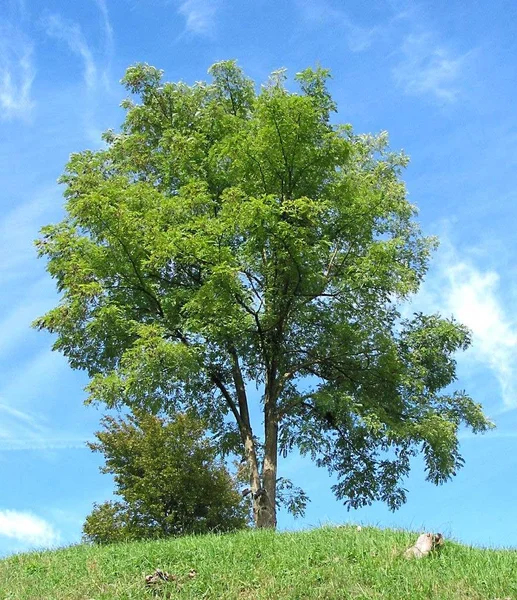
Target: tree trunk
<point x="243" y="419"/>
<point x="264" y="496"/>
<point x="265" y="500"/>
<point x="251" y="459"/>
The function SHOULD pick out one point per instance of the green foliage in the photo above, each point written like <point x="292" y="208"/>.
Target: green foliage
<point x="110" y="522"/>
<point x="323" y="564"/>
<point x="168" y="474"/>
<point x="227" y="235"/>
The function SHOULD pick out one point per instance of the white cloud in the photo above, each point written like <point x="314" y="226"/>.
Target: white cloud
<point x="429" y="69"/>
<point x="27" y="528"/>
<point x="474" y="299"/>
<point x="199" y="16"/>
<point x="16" y="75"/>
<point x="71" y="33"/>
<point x="457" y="286"/>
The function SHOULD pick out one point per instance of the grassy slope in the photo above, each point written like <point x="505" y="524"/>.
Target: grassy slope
<point x="324" y="563"/>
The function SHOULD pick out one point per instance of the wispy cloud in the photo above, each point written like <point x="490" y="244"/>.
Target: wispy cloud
<point x="492" y="436"/>
<point x="19" y="228"/>
<point x="34" y="380"/>
<point x="109" y="39"/>
<point x="457" y="286"/>
<point x="15" y="321"/>
<point x="27" y="528"/>
<point x="199" y="16"/>
<point x="26" y="418"/>
<point x="17" y="9"/>
<point x="71" y="33"/>
<point x="25" y="394"/>
<point x="427" y="68"/>
<point x="17" y="425"/>
<point x="20" y="429"/>
<point x="422" y="65"/>
<point x="16" y="74"/>
<point x="43" y="443"/>
<point x="323" y="13"/>
<point x="108" y="29"/>
<point x="360" y="38"/>
<point x="96" y="59"/>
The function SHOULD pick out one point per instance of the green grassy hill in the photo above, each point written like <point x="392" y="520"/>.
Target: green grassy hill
<point x="327" y="563"/>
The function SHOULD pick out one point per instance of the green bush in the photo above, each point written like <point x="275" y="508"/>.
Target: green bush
<point x="169" y="477"/>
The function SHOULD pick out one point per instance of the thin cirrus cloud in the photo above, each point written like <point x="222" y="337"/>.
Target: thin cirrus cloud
<point x="427" y="68"/>
<point x="29" y="529"/>
<point x="423" y="67"/>
<point x="70" y="32"/>
<point x="22" y="424"/>
<point x="52" y="442"/>
<point x="199" y="16"/>
<point x="96" y="60"/>
<point x="16" y="74"/>
<point x="18" y="230"/>
<point x="109" y="39"/>
<point x="322" y="13"/>
<point x="108" y="29"/>
<point x="16" y="422"/>
<point x="21" y="399"/>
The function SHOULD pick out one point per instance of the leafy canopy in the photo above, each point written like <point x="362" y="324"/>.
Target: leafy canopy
<point x="169" y="477"/>
<point x="228" y="238"/>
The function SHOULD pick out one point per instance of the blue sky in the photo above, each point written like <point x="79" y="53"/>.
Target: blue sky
<point x="440" y="77"/>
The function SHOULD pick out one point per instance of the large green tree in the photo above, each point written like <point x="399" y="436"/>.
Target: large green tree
<point x="169" y="478"/>
<point x="228" y="238"/>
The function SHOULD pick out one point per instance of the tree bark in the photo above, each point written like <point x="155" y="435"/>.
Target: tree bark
<point x="247" y="438"/>
<point x="251" y="459"/>
<point x="266" y="500"/>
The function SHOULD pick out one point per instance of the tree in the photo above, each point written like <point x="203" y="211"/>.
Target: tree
<point x="228" y="238"/>
<point x="169" y="477"/>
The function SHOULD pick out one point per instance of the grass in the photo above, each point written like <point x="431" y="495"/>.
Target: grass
<point x="327" y="563"/>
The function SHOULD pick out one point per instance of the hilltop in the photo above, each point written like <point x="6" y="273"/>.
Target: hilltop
<point x="327" y="563"/>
